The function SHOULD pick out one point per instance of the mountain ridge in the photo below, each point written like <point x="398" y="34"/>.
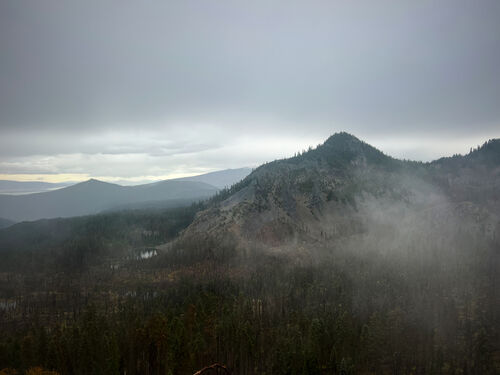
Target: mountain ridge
<point x="220" y="179"/>
<point x="313" y="195"/>
<point x="93" y="196"/>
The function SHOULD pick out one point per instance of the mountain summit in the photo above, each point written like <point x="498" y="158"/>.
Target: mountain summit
<point x="343" y="149"/>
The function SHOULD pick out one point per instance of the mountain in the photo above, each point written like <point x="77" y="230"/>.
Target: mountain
<point x="27" y="187"/>
<point x="472" y="177"/>
<point x="5" y="223"/>
<point x="93" y="196"/>
<point x="220" y="179"/>
<point x="345" y="186"/>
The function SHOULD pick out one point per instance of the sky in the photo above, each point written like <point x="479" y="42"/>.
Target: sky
<point x="140" y="91"/>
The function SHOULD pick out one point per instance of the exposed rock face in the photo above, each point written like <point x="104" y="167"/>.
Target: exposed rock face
<point x="345" y="186"/>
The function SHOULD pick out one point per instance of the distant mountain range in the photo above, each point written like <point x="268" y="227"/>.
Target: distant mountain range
<point x="28" y="187"/>
<point x="219" y="179"/>
<point x="94" y="196"/>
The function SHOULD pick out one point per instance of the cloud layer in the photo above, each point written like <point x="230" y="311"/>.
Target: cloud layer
<point x="130" y="89"/>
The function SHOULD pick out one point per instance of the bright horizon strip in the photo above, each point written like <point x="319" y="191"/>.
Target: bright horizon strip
<point x="79" y="177"/>
<point x="419" y="149"/>
<point x="53" y="177"/>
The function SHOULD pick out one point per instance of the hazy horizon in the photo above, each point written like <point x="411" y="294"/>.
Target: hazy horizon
<point x="66" y="179"/>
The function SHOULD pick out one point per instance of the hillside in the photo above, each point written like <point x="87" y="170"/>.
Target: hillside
<point x="4" y="223"/>
<point x="93" y="196"/>
<point x="328" y="192"/>
<point x="220" y="179"/>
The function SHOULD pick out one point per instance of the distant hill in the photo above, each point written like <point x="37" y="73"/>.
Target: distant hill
<point x="27" y="187"/>
<point x="95" y="196"/>
<point x="4" y="223"/>
<point x="220" y="179"/>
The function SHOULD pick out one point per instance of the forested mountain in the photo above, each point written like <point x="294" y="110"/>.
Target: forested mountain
<point x="93" y="196"/>
<point x="339" y="260"/>
<point x="329" y="192"/>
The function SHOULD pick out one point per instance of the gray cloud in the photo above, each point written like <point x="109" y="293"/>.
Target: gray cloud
<point x="166" y="78"/>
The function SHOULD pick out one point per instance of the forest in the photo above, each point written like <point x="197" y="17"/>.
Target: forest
<point x="330" y="310"/>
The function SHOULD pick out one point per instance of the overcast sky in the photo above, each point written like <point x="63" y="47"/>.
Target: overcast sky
<point x="142" y="90"/>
